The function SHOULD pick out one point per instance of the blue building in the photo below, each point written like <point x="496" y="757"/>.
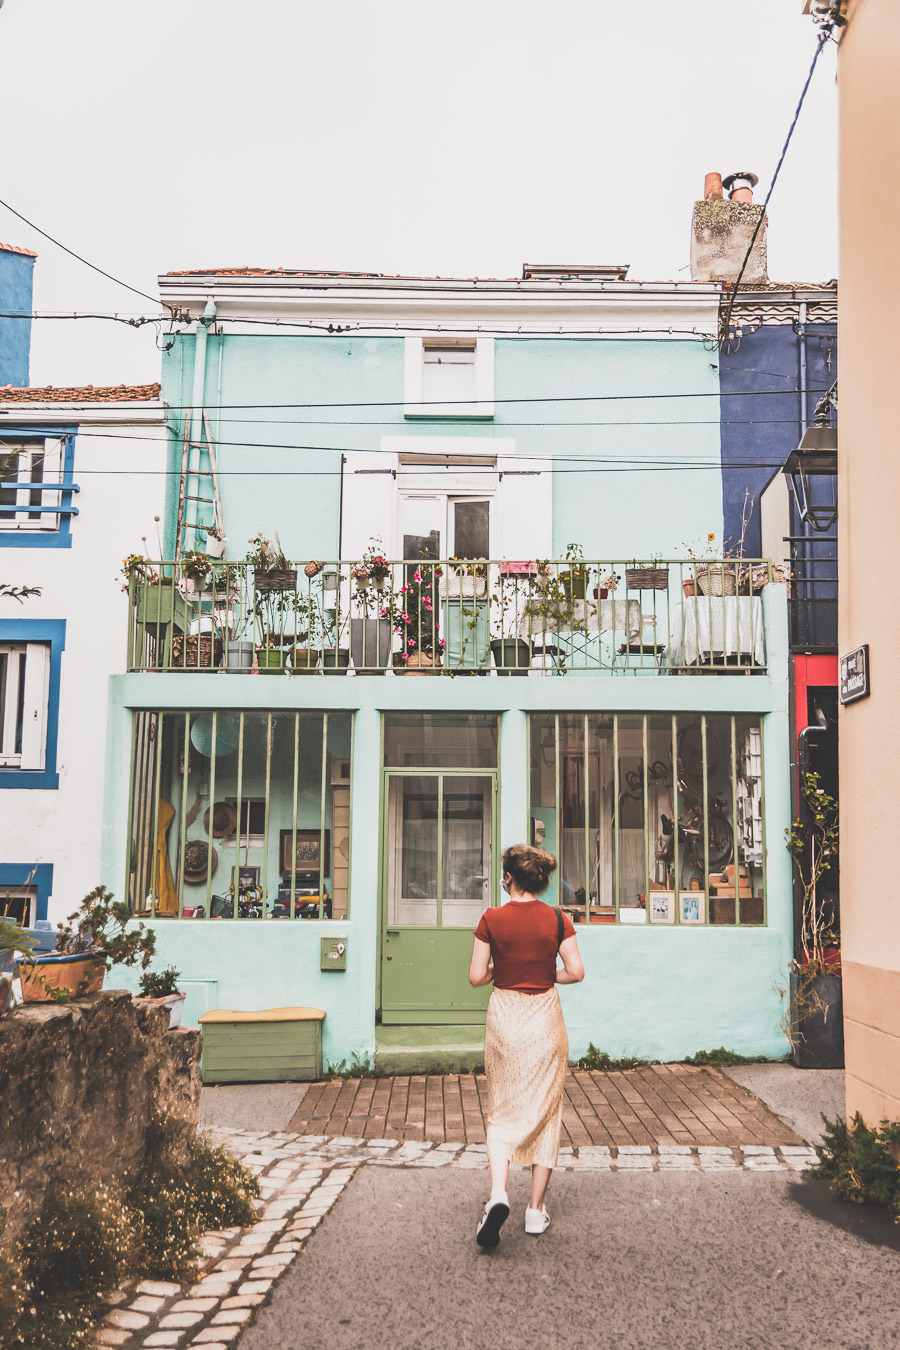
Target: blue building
<point x="16" y="276"/>
<point x="389" y="498"/>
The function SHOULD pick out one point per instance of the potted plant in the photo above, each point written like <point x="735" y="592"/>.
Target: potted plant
<point x="335" y="637"/>
<point x="100" y="934"/>
<point x="574" y="578"/>
<point x="510" y="606"/>
<point x="215" y="543"/>
<point x="606" y="585"/>
<point x="13" y="938"/>
<point x="373" y="611"/>
<point x="815" y="1019"/>
<point x="157" y="600"/>
<point x="650" y="576"/>
<point x="162" y="987"/>
<point x="271" y="569"/>
<point x="195" y="567"/>
<point x="416" y="620"/>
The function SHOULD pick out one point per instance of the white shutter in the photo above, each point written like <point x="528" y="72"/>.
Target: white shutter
<point x="524" y="508"/>
<point x="36" y="695"/>
<point x="368" y="504"/>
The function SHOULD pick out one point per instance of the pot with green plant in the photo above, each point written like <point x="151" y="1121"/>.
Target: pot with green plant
<point x="815" y="1025"/>
<point x="195" y="566"/>
<point x="162" y="987"/>
<point x="574" y="578"/>
<point x="157" y="600"/>
<point x="417" y="620"/>
<point x="272" y="570"/>
<point x="100" y="934"/>
<point x="511" y="602"/>
<point x="373" y="610"/>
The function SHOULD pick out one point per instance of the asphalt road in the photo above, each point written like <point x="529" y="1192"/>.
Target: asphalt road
<point x="664" y="1261"/>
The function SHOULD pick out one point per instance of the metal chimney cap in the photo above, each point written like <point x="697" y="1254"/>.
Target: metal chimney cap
<point x="729" y="182"/>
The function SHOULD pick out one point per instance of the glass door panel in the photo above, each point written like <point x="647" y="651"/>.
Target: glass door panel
<point x="412" y="852"/>
<point x="466" y="862"/>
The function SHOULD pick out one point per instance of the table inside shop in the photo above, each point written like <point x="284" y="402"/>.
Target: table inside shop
<point x="704" y="628"/>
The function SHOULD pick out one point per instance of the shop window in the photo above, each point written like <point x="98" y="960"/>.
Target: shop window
<point x="654" y="818"/>
<point x="36" y="491"/>
<point x="274" y="839"/>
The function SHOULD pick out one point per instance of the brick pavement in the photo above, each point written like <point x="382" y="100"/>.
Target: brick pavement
<point x="657" y="1104"/>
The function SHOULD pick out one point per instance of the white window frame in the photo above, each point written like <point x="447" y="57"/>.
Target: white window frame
<point x="28" y="679"/>
<point x="52" y="454"/>
<point x="414" y="377"/>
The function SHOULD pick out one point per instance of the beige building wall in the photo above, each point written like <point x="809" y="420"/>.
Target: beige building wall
<point x="869" y="532"/>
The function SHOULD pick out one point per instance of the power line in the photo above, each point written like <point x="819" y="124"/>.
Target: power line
<point x="726" y="322"/>
<point x="72" y="254"/>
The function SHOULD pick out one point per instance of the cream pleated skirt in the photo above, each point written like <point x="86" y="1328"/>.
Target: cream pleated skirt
<point x="526" y="1051"/>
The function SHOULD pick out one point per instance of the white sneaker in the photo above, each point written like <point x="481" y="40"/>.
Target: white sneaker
<point x="537" y="1221"/>
<point x="496" y="1212"/>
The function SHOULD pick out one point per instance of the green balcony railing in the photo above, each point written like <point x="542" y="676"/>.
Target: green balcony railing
<point x="446" y="617"/>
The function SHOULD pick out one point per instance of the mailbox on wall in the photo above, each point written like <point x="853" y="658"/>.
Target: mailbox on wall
<point x="334" y="952"/>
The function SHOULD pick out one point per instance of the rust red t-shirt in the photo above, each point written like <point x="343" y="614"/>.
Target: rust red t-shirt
<point x="522" y="936"/>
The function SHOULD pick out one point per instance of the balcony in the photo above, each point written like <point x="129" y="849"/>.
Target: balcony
<point x="449" y="618"/>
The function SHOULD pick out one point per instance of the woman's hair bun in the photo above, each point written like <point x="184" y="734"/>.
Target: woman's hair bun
<point x="529" y="868"/>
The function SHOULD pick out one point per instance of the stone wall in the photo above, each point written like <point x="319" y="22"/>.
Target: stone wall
<point x="78" y="1084"/>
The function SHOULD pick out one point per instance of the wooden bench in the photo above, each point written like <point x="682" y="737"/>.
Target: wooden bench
<point x="275" y="1045"/>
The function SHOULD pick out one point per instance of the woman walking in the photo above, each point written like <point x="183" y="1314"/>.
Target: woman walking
<point x="526" y="1048"/>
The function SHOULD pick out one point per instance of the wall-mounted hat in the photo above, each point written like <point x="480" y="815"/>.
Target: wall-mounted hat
<point x="224" y="819"/>
<point x="199" y="861"/>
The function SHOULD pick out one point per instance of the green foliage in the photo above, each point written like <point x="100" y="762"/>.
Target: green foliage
<point x="719" y="1058"/>
<point x="185" y="1185"/>
<point x="100" y="924"/>
<point x="813" y="846"/>
<point x="860" y="1162"/>
<point x="13" y="938"/>
<point x="77" y="1245"/>
<point x="159" y="983"/>
<point x="357" y="1068"/>
<point x="605" y="1063"/>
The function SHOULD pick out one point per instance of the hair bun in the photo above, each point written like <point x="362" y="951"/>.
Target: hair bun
<point x="530" y="868"/>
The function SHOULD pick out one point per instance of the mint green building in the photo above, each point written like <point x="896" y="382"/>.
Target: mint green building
<point x="487" y="608"/>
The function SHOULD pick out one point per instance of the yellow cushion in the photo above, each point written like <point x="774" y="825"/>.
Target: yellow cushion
<point x="266" y="1015"/>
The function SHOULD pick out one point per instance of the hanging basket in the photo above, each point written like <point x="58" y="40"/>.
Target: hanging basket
<point x="722" y="579"/>
<point x="278" y="579"/>
<point x="647" y="578"/>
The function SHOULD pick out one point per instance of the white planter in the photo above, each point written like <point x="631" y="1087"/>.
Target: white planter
<point x="463" y="588"/>
<point x="175" y="1004"/>
<point x="215" y="548"/>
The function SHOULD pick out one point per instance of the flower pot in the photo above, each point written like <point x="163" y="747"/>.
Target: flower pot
<point x="158" y="606"/>
<point x="238" y="656"/>
<point x="817" y="1021"/>
<point x="277" y="579"/>
<point x="601" y="592"/>
<point x="463" y="587"/>
<point x="419" y="663"/>
<point x="689" y="587"/>
<point x="722" y="579"/>
<point x="304" y="661"/>
<point x="336" y="660"/>
<point x="215" y="548"/>
<point x="76" y="975"/>
<point x="512" y="656"/>
<point x="198" y="651"/>
<point x="574" y="583"/>
<point x="270" y="661"/>
<point x="371" y="644"/>
<point x="175" y="1004"/>
<point x="647" y="578"/>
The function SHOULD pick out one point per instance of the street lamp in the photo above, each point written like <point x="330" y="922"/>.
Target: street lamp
<point x="815" y="456"/>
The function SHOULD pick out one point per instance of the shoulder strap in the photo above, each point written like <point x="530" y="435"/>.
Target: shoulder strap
<point x="560" y="927"/>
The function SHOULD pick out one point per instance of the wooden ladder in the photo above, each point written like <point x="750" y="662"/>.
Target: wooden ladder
<point x="207" y="446"/>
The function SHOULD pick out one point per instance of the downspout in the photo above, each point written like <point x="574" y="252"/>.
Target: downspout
<point x="197" y="396"/>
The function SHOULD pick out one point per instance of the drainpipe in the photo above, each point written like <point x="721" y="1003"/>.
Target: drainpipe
<point x="196" y="437"/>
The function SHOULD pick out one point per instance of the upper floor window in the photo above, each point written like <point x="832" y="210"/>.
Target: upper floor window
<point x="35" y="490"/>
<point x="449" y="379"/>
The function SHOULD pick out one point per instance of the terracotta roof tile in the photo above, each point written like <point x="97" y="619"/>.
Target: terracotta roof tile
<point x="14" y="248"/>
<point x="88" y="393"/>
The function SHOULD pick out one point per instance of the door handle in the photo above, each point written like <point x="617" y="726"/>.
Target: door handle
<point x="392" y="932"/>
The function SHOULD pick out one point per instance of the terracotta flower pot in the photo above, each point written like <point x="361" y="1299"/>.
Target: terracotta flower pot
<point x="689" y="586"/>
<point x="77" y="975"/>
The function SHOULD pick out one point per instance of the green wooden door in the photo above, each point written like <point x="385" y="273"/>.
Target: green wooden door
<point x="438" y="878"/>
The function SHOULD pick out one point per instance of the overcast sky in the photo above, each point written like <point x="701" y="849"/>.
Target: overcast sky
<point x="398" y="137"/>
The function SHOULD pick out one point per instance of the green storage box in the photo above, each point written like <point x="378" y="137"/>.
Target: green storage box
<point x="276" y="1045"/>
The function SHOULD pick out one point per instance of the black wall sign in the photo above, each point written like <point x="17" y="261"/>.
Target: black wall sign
<point x="855" y="675"/>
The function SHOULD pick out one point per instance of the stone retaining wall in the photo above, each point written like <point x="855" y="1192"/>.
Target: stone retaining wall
<point x="78" y="1084"/>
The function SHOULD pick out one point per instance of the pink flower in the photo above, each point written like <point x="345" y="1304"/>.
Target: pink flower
<point x="406" y="618"/>
<point x="404" y="656"/>
<point x="403" y="590"/>
<point x="417" y="576"/>
<point x="442" y="642"/>
<point x="382" y="612"/>
<point x="411" y="643"/>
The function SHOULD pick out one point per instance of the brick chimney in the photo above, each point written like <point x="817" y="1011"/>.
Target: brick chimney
<point x="721" y="231"/>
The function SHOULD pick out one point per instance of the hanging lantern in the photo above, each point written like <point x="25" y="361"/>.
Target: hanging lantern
<point x="815" y="457"/>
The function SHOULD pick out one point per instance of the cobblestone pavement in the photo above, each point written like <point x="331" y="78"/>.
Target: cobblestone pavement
<point x="302" y="1177"/>
<point x="653" y="1105"/>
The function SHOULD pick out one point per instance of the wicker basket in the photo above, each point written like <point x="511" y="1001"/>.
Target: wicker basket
<point x="717" y="579"/>
<point x="198" y="651"/>
<point x="278" y="579"/>
<point x="647" y="578"/>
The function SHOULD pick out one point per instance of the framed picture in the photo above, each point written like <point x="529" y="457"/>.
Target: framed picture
<point x="307" y="859"/>
<point x="661" y="905"/>
<point x="247" y="877"/>
<point x="691" y="907"/>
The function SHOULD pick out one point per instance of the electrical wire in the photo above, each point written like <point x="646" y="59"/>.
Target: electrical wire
<point x="77" y="256"/>
<point x="725" y="326"/>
